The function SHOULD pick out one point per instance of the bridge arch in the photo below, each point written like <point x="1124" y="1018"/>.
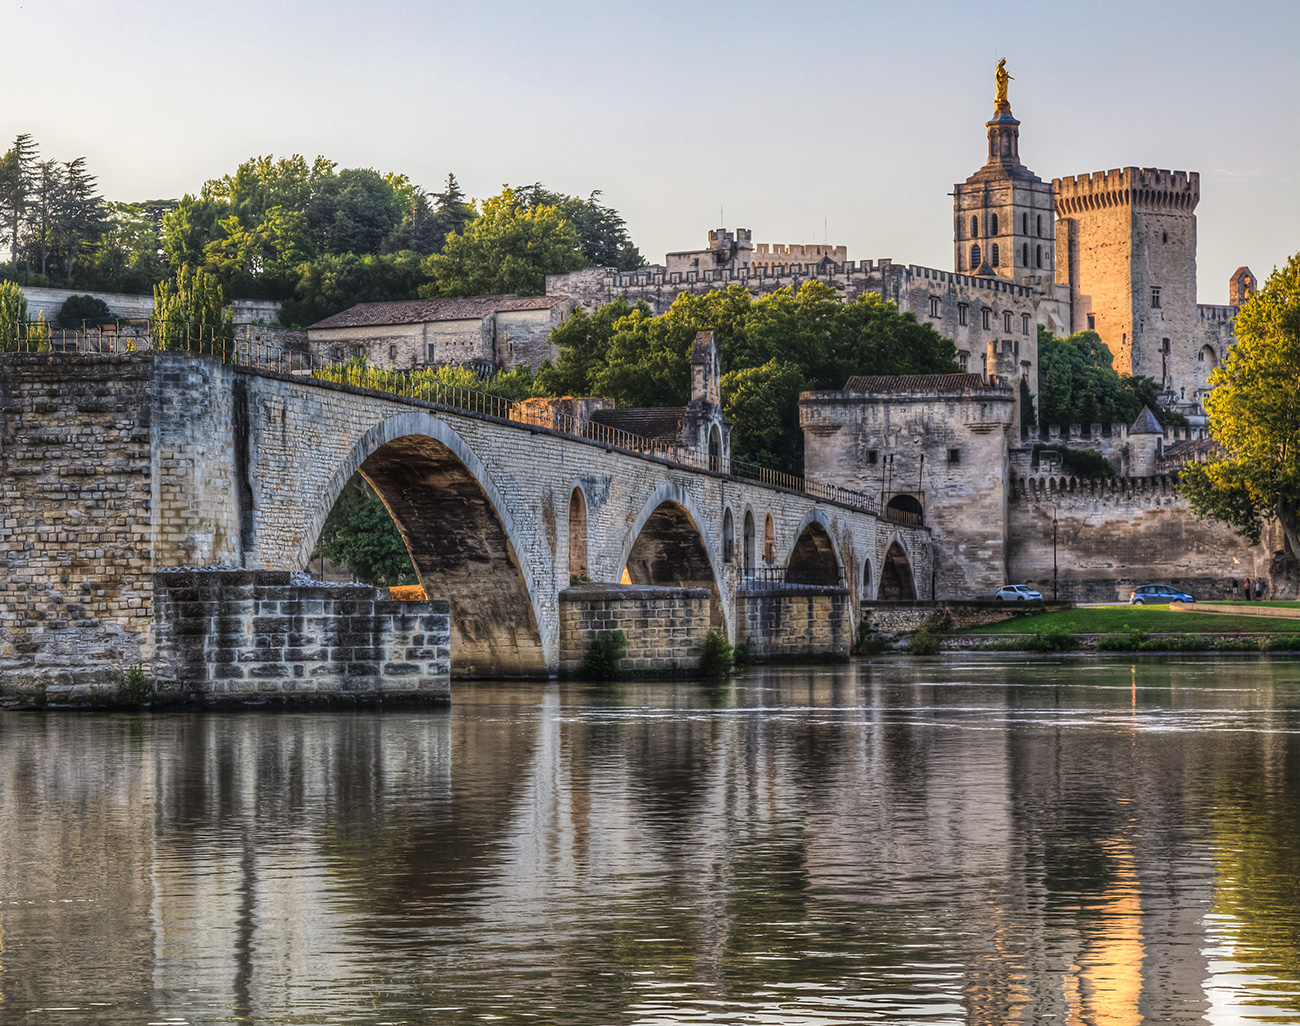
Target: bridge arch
<point x="897" y="580"/>
<point x="577" y="534"/>
<point x="461" y="538"/>
<point x="815" y="558"/>
<point x="668" y="545"/>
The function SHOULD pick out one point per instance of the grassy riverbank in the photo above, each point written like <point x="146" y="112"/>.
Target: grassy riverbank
<point x="1149" y="619"/>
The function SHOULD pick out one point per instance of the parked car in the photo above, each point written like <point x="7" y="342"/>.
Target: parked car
<point x="1017" y="593"/>
<point x="1157" y="594"/>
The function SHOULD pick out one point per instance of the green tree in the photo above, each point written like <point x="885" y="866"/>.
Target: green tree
<point x="583" y="341"/>
<point x="80" y="217"/>
<point x="189" y="311"/>
<point x="18" y="173"/>
<point x="1254" y="415"/>
<point x="13" y="315"/>
<point x="762" y="404"/>
<point x="334" y="282"/>
<point x="1078" y="384"/>
<point x="602" y="232"/>
<point x="453" y="213"/>
<point x="510" y="248"/>
<point x="360" y="534"/>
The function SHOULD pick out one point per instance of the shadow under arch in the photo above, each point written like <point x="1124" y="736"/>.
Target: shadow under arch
<point x="815" y="558"/>
<point x="896" y="580"/>
<point x="667" y="547"/>
<point x="460" y="537"/>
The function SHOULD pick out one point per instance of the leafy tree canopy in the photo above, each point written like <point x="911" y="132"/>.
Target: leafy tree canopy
<point x="1254" y="415"/>
<point x="1078" y="384"/>
<point x="510" y="248"/>
<point x="360" y="535"/>
<point x="771" y="348"/>
<point x="602" y="233"/>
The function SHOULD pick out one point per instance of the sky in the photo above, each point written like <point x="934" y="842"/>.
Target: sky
<point x="839" y="122"/>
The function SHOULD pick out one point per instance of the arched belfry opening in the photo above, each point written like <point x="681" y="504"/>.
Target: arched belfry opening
<point x="669" y="552"/>
<point x="813" y="559"/>
<point x="577" y="537"/>
<point x="715" y="448"/>
<point x="896" y="580"/>
<point x="462" y="553"/>
<point x="748" y="544"/>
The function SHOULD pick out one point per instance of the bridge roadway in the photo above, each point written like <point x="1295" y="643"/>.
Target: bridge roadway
<point x="499" y="516"/>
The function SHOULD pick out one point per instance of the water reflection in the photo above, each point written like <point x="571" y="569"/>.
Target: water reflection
<point x="988" y="841"/>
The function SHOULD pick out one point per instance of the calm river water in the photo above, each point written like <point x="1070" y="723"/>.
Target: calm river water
<point x="987" y="841"/>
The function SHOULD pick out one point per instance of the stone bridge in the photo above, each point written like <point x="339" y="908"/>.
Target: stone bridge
<point x="116" y="467"/>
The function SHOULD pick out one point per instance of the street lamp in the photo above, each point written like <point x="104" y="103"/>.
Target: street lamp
<point x="1053" y="553"/>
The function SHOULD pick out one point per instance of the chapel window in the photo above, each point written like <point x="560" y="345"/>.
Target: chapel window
<point x="974" y="227"/>
<point x="1006" y="321"/>
<point x="994" y="229"/>
<point x="1155" y="296"/>
<point x="1040" y="226"/>
<point x="1038" y="255"/>
<point x="1024" y="224"/>
<point x="995" y="254"/>
<point x="988" y="318"/>
<point x="963" y="310"/>
<point x="1024" y="324"/>
<point x="1024" y="255"/>
<point x="975" y="257"/>
<point x="934" y="306"/>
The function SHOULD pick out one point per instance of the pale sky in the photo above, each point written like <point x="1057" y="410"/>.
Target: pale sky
<point x="846" y="120"/>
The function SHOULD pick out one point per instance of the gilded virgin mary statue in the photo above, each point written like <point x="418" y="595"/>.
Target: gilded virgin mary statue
<point x="1002" y="78"/>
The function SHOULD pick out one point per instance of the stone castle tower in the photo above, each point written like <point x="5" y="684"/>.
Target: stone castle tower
<point x="1003" y="214"/>
<point x="1126" y="247"/>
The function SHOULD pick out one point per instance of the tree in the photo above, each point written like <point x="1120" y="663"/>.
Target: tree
<point x="360" y="534"/>
<point x="334" y="282"/>
<point x="189" y="311"/>
<point x="1078" y="384"/>
<point x="510" y="248"/>
<point x="18" y="172"/>
<point x="453" y="213"/>
<point x="762" y="404"/>
<point x="80" y="215"/>
<point x="13" y="315"/>
<point x="602" y="232"/>
<point x="1254" y="415"/>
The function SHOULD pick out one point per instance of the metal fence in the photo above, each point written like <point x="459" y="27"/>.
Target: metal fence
<point x="423" y="385"/>
<point x="777" y="577"/>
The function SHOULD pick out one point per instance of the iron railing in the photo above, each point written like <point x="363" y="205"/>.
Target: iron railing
<point x="778" y="577"/>
<point x="421" y="385"/>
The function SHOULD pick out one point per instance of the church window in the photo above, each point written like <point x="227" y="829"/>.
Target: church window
<point x="974" y="227"/>
<point x="1040" y="226"/>
<point x="1006" y="321"/>
<point x="962" y="310"/>
<point x="994" y="229"/>
<point x="995" y="254"/>
<point x="1024" y="255"/>
<point x="1024" y="324"/>
<point x="1024" y="224"/>
<point x="988" y="318"/>
<point x="975" y="258"/>
<point x="934" y="306"/>
<point x="1155" y="296"/>
<point x="1038" y="255"/>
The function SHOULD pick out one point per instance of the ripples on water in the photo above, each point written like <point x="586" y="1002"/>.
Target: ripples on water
<point x="984" y="841"/>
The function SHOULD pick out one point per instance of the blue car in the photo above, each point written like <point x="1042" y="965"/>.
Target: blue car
<point x="1157" y="595"/>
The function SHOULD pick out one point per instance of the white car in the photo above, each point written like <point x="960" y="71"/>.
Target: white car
<point x="1017" y="593"/>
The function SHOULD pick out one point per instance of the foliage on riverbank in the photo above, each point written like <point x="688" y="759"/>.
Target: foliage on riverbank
<point x="1151" y="619"/>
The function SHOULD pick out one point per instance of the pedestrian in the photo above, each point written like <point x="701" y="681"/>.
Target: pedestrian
<point x="1259" y="588"/>
<point x="1247" y="589"/>
<point x="1233" y="582"/>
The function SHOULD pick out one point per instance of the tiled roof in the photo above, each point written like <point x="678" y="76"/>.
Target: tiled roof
<point x="420" y="311"/>
<point x="914" y="383"/>
<point x="663" y="424"/>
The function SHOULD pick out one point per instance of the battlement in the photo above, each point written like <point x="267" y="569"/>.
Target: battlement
<point x="1149" y="188"/>
<point x="1212" y="312"/>
<point x="721" y="237"/>
<point x="800" y="253"/>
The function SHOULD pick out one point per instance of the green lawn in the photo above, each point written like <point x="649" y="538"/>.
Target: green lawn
<point x="1153" y="619"/>
<point x="1275" y="603"/>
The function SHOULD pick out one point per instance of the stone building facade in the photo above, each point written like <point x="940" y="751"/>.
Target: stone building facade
<point x="482" y="332"/>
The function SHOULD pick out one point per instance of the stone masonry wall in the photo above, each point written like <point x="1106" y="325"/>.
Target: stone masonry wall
<point x="665" y="627"/>
<point x="780" y="623"/>
<point x="76" y="492"/>
<point x="900" y="618"/>
<point x="242" y="635"/>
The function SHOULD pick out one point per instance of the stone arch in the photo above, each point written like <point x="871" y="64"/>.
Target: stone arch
<point x="577" y="535"/>
<point x="866" y="578"/>
<point x="728" y="536"/>
<point x="668" y="547"/>
<point x="815" y="558"/>
<point x="769" y="540"/>
<point x="461" y="538"/>
<point x="896" y="579"/>
<point x="715" y="448"/>
<point x="1206" y="360"/>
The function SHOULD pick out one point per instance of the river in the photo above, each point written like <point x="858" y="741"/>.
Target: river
<point x="960" y="840"/>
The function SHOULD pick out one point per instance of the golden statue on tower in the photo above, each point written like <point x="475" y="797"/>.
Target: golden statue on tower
<point x="1002" y="78"/>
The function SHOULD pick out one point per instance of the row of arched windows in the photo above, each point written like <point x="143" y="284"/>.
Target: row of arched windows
<point x="993" y="225"/>
<point x="995" y="256"/>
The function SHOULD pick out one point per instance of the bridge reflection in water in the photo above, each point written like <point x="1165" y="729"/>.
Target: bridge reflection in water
<point x="983" y="842"/>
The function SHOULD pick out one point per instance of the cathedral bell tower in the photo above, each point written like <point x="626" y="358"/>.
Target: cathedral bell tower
<point x="1004" y="215"/>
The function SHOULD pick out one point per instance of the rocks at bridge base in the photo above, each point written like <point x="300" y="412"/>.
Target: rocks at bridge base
<point x="240" y="636"/>
<point x="665" y="627"/>
<point x="782" y="622"/>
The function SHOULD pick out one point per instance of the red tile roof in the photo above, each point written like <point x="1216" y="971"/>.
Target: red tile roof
<point x="420" y="311"/>
<point x="915" y="383"/>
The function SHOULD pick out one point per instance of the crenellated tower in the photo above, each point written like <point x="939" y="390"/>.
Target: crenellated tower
<point x="1126" y="247"/>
